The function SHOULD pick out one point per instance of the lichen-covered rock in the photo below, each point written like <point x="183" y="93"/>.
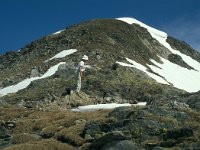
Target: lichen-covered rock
<point x="120" y="145"/>
<point x="5" y="137"/>
<point x="150" y="127"/>
<point x="194" y="101"/>
<point x="106" y="139"/>
<point x="66" y="70"/>
<point x="35" y="72"/>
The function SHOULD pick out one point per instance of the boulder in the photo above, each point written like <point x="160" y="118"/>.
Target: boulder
<point x="5" y="137"/>
<point x="35" y="72"/>
<point x="194" y="103"/>
<point x="65" y="70"/>
<point x="74" y="99"/>
<point x="179" y="105"/>
<point x="111" y="138"/>
<point x="178" y="133"/>
<point x="120" y="145"/>
<point x="193" y="146"/>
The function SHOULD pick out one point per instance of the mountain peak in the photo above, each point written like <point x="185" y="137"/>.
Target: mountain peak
<point x="130" y="64"/>
<point x="125" y="41"/>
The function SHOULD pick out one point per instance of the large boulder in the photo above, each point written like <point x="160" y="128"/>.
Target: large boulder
<point x="35" y="72"/>
<point x="194" y="101"/>
<point x="66" y="70"/>
<point x="120" y="145"/>
<point x="106" y="141"/>
<point x="5" y="137"/>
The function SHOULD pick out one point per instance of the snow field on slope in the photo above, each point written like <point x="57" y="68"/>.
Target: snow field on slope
<point x="180" y="77"/>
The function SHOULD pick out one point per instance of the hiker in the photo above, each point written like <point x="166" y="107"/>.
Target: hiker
<point x="79" y="70"/>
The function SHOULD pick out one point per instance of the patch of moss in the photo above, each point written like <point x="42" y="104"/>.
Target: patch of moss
<point x="49" y="144"/>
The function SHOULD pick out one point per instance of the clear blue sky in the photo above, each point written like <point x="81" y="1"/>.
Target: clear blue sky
<point x="23" y="21"/>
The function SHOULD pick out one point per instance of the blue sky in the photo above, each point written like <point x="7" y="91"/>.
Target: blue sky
<point x="23" y="21"/>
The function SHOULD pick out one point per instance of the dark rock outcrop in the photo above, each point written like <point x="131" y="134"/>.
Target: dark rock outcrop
<point x="66" y="70"/>
<point x="174" y="58"/>
<point x="149" y="127"/>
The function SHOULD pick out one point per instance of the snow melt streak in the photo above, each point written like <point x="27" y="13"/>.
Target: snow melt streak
<point x="23" y="84"/>
<point x="105" y="106"/>
<point x="63" y="54"/>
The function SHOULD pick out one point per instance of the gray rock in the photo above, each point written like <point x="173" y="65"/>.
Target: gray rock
<point x="9" y="81"/>
<point x="4" y="133"/>
<point x="174" y="58"/>
<point x="158" y="148"/>
<point x="178" y="133"/>
<point x="194" y="102"/>
<point x="81" y="121"/>
<point x="193" y="146"/>
<point x="181" y="116"/>
<point x="111" y="41"/>
<point x="109" y="138"/>
<point x="120" y="145"/>
<point x="98" y="57"/>
<point x="1" y="84"/>
<point x="35" y="72"/>
<point x="10" y="124"/>
<point x="5" y="137"/>
<point x="179" y="105"/>
<point x="107" y="99"/>
<point x="91" y="129"/>
<point x="66" y="70"/>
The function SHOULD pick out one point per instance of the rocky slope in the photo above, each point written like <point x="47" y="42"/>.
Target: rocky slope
<point x="39" y="114"/>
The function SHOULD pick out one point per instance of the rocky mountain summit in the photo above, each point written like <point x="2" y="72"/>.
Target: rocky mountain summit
<point x="129" y="62"/>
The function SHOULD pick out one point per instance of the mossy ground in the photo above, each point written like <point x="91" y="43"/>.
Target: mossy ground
<point x="47" y="130"/>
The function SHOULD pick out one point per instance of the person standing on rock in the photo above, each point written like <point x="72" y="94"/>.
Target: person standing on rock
<point x="79" y="70"/>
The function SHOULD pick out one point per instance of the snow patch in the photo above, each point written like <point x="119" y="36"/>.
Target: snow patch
<point x="62" y="54"/>
<point x="105" y="106"/>
<point x="58" y="32"/>
<point x="180" y="77"/>
<point x="23" y="84"/>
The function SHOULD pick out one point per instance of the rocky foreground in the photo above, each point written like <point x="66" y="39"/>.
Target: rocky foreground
<point x="165" y="125"/>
